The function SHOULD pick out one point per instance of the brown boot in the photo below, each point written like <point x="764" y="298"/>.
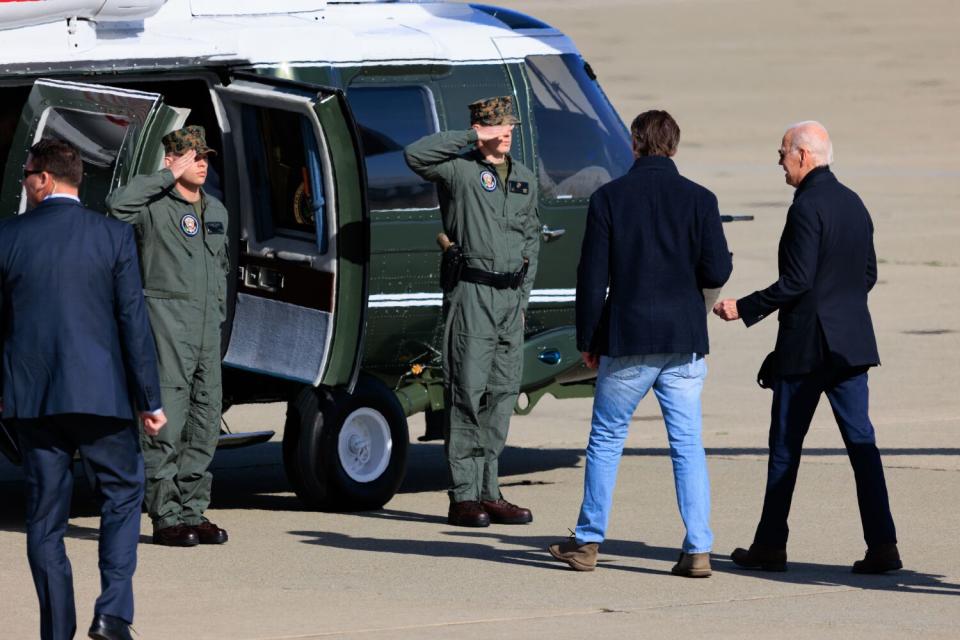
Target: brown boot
<point x="209" y="533"/>
<point x="502" y="512"/>
<point x="468" y="513"/>
<point x="692" y="565"/>
<point x="582" y="557"/>
<point x="760" y="557"/>
<point x="179" y="535"/>
<point x="879" y="559"/>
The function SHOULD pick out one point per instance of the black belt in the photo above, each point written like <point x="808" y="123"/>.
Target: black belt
<point x="495" y="279"/>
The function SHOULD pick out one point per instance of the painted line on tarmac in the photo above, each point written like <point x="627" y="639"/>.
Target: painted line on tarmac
<point x="439" y="625"/>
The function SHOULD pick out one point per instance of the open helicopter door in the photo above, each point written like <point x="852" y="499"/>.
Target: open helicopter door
<point x="302" y="296"/>
<point x="117" y="132"/>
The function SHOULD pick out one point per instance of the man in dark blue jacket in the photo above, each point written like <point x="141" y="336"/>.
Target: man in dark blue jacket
<point x="77" y="353"/>
<point x="653" y="242"/>
<point x="825" y="344"/>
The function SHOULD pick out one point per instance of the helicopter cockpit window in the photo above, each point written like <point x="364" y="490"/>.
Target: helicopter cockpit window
<point x="582" y="143"/>
<point x="390" y="118"/>
<point x="285" y="173"/>
<point x="99" y="138"/>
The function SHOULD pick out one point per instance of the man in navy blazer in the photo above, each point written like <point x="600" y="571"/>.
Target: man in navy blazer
<point x="77" y="353"/>
<point x="653" y="242"/>
<point x="825" y="345"/>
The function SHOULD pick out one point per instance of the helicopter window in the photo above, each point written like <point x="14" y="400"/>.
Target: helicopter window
<point x="99" y="138"/>
<point x="390" y="118"/>
<point x="286" y="175"/>
<point x="582" y="143"/>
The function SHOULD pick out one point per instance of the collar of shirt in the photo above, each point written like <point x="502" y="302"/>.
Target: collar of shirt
<point x="62" y="195"/>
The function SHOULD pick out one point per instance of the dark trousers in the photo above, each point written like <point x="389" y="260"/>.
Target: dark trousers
<point x="110" y="447"/>
<point x="795" y="399"/>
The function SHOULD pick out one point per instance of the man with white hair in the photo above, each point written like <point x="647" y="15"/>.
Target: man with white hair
<point x="825" y="345"/>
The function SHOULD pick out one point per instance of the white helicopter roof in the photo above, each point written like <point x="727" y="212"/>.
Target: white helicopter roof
<point x="89" y="35"/>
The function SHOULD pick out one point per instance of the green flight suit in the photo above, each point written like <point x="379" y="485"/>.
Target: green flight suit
<point x="184" y="259"/>
<point x="497" y="227"/>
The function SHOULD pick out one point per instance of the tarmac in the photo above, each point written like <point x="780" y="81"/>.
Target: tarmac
<point x="881" y="75"/>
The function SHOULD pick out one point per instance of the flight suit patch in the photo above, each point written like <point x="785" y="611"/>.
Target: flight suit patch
<point x="516" y="186"/>
<point x="488" y="181"/>
<point x="215" y="227"/>
<point x="189" y="225"/>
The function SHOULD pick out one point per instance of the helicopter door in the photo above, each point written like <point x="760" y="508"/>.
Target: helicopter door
<point x="116" y="131"/>
<point x="301" y="299"/>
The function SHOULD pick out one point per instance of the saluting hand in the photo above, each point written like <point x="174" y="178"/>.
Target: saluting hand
<point x="181" y="163"/>
<point x="153" y="423"/>
<point x="727" y="309"/>
<point x="492" y="132"/>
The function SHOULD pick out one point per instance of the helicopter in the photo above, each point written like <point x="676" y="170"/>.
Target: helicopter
<point x="335" y="307"/>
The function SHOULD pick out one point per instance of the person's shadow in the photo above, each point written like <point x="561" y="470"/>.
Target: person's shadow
<point x="491" y="546"/>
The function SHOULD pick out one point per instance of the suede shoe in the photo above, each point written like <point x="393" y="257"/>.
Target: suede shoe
<point x="760" y="557"/>
<point x="468" y="513"/>
<point x="503" y="512"/>
<point x="879" y="559"/>
<point x="179" y="535"/>
<point x="209" y="533"/>
<point x="692" y="565"/>
<point x="106" y="627"/>
<point x="581" y="557"/>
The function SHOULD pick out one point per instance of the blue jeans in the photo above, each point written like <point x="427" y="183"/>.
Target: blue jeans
<point x="677" y="380"/>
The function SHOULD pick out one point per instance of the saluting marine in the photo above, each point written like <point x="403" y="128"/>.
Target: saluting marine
<point x="488" y="204"/>
<point x="182" y="236"/>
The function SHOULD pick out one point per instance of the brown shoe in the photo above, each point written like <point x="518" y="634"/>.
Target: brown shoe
<point x="760" y="557"/>
<point x="209" y="533"/>
<point x="179" y="535"/>
<point x="468" y="513"/>
<point x="502" y="512"/>
<point x="581" y="557"/>
<point x="879" y="559"/>
<point x="692" y="565"/>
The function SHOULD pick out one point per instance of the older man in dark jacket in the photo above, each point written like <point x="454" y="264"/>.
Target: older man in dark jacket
<point x="653" y="242"/>
<point x="825" y="345"/>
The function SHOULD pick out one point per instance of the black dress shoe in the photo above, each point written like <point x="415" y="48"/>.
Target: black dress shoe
<point x="879" y="559"/>
<point x="209" y="533"/>
<point x="503" y="512"/>
<point x="179" y="535"/>
<point x="106" y="627"/>
<point x="468" y="513"/>
<point x="760" y="557"/>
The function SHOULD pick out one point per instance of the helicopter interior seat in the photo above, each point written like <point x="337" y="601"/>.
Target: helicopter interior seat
<point x="570" y="166"/>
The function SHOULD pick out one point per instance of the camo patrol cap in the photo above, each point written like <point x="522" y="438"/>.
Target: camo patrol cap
<point x="182" y="140"/>
<point x="493" y="111"/>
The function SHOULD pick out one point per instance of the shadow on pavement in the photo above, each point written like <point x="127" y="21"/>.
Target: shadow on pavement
<point x="499" y="547"/>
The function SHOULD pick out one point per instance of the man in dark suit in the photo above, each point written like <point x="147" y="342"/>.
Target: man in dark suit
<point x="77" y="353"/>
<point x="825" y="344"/>
<point x="653" y="242"/>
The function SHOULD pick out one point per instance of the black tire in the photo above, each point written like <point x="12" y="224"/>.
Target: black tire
<point x="300" y="411"/>
<point x="371" y="477"/>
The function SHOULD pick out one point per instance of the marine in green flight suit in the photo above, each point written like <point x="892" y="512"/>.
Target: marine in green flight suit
<point x="182" y="237"/>
<point x="488" y="204"/>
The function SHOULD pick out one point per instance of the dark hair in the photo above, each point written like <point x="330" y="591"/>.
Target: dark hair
<point x="58" y="158"/>
<point x="655" y="133"/>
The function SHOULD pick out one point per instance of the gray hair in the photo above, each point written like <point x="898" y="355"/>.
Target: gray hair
<point x="812" y="136"/>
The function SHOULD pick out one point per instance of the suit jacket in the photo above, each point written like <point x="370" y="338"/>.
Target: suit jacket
<point x="655" y="239"/>
<point x="827" y="266"/>
<point x="75" y="337"/>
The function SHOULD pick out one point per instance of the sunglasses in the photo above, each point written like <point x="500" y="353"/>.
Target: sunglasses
<point x="31" y="172"/>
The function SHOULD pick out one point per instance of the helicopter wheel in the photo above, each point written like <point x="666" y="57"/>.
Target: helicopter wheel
<point x="346" y="451"/>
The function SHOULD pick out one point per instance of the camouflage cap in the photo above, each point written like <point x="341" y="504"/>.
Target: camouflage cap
<point x="493" y="111"/>
<point x="182" y="140"/>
